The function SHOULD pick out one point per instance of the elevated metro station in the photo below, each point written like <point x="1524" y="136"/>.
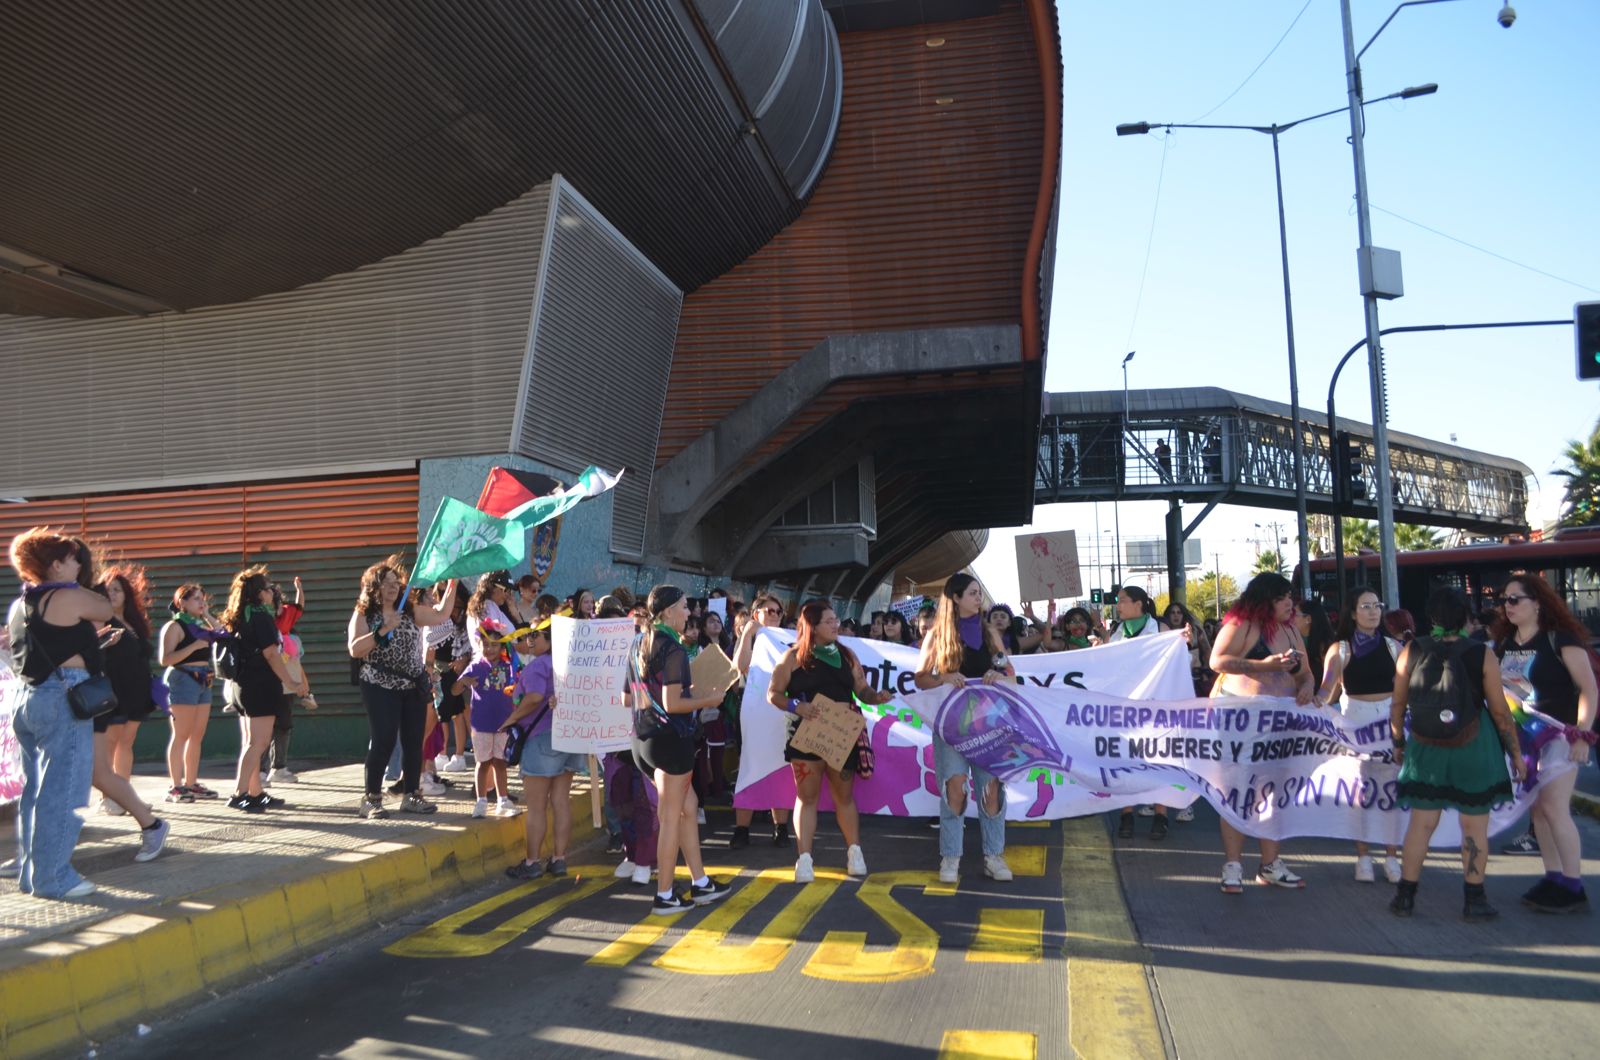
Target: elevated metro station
<point x="274" y="283"/>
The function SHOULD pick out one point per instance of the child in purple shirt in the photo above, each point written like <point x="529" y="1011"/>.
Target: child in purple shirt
<point x="490" y="680"/>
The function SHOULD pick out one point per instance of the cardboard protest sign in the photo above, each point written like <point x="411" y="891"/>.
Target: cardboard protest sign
<point x="831" y="735"/>
<point x="592" y="714"/>
<point x="711" y="672"/>
<point x="1047" y="566"/>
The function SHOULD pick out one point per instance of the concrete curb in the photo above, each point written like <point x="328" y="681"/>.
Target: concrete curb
<point x="1584" y="803"/>
<point x="138" y="966"/>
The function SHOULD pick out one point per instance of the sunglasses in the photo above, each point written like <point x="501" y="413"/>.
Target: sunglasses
<point x="771" y="611"/>
<point x="1370" y="607"/>
<point x="1514" y="599"/>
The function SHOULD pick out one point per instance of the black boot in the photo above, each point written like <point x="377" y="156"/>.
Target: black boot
<point x="741" y="837"/>
<point x="1405" y="898"/>
<point x="1125" y="826"/>
<point x="780" y="834"/>
<point x="1158" y="827"/>
<point x="1475" y="904"/>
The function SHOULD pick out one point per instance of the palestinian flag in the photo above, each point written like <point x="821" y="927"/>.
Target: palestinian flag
<point x="505" y="489"/>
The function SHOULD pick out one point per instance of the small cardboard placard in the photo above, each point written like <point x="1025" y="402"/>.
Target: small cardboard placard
<point x="711" y="672"/>
<point x="831" y="735"/>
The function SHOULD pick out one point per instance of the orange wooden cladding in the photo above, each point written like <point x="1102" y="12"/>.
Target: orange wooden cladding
<point x="253" y="520"/>
<point x="922" y="218"/>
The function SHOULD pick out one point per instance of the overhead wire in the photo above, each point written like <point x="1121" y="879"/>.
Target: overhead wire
<point x="1258" y="66"/>
<point x="1150" y="238"/>
<point x="1486" y="250"/>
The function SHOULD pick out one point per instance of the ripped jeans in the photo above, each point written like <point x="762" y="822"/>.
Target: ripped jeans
<point x="948" y="763"/>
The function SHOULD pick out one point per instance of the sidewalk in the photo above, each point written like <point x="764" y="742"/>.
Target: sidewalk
<point x="231" y="896"/>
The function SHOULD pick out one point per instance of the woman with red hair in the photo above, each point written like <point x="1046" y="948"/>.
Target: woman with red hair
<point x="55" y="644"/>
<point x="1259" y="653"/>
<point x="818" y="666"/>
<point x="1544" y="663"/>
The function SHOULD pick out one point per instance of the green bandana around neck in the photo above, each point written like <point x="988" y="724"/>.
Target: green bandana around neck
<point x="1440" y="633"/>
<point x="828" y="653"/>
<point x="669" y="631"/>
<point x="1130" y="630"/>
<point x="1077" y="642"/>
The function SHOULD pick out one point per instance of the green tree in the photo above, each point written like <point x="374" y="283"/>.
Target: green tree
<point x="1411" y="538"/>
<point x="1269" y="562"/>
<point x="1581" y="504"/>
<point x="1359" y="534"/>
<point x="1202" y="594"/>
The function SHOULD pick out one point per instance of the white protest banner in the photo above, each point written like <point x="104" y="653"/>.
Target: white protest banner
<point x="590" y="659"/>
<point x="903" y="782"/>
<point x="718" y="605"/>
<point x="1047" y="566"/>
<point x="1066" y="747"/>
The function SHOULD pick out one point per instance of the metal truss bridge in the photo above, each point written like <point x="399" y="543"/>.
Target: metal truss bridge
<point x="1215" y="447"/>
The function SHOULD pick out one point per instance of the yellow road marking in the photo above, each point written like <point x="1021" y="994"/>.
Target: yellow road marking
<point x="1029" y="824"/>
<point x="1110" y="1013"/>
<point x="704" y="951"/>
<point x="444" y="938"/>
<point x="1027" y="860"/>
<point x="842" y="955"/>
<point x="988" y="1045"/>
<point x="1008" y="936"/>
<point x="634" y="941"/>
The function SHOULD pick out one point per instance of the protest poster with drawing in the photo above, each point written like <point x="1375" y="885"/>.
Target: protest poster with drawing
<point x="1047" y="566"/>
<point x="831" y="735"/>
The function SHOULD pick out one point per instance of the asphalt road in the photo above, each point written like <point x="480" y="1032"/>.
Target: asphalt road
<point x="896" y="965"/>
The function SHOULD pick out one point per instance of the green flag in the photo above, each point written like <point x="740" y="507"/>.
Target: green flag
<point x="463" y="542"/>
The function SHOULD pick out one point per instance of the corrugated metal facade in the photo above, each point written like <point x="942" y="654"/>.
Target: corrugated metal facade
<point x="413" y="356"/>
<point x="601" y="351"/>
<point x="325" y="531"/>
<point x="205" y="153"/>
<point x="921" y="220"/>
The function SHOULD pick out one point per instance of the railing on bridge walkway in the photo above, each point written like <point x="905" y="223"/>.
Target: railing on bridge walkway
<point x="1212" y="445"/>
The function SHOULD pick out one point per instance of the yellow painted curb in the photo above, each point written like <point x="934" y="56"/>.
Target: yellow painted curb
<point x="1110" y="1013"/>
<point x="139" y="965"/>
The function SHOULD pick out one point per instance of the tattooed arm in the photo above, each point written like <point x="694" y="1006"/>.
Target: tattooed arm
<point x="1494" y="695"/>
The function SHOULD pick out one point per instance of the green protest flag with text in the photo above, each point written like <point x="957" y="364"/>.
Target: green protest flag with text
<point x="463" y="542"/>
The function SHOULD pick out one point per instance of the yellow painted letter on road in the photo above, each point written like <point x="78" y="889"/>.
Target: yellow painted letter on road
<point x="444" y="938"/>
<point x="843" y="955"/>
<point x="705" y="951"/>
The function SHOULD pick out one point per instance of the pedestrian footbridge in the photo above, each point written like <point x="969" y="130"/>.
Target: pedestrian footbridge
<point x="1213" y="446"/>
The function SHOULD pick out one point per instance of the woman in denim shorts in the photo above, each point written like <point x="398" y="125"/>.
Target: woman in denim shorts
<point x="547" y="773"/>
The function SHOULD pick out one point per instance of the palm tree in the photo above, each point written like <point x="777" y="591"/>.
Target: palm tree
<point x="1359" y="535"/>
<point x="1269" y="562"/>
<point x="1581" y="505"/>
<point x="1412" y="538"/>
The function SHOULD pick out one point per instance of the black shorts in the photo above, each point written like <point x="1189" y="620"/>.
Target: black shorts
<point x="667" y="751"/>
<point x="260" y="699"/>
<point x="851" y="764"/>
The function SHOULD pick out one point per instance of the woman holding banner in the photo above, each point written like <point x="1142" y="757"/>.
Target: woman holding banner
<point x="1136" y="617"/>
<point x="962" y="646"/>
<point x="1359" y="666"/>
<point x="663" y="746"/>
<point x="1259" y="652"/>
<point x="819" y="667"/>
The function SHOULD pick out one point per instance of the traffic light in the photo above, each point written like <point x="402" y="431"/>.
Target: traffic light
<point x="1348" y="485"/>
<point x="1586" y="318"/>
<point x="1094" y="596"/>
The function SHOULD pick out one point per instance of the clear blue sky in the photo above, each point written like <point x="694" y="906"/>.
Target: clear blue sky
<point x="1503" y="156"/>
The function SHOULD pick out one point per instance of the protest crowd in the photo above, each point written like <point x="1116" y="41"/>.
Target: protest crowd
<point x="458" y="682"/>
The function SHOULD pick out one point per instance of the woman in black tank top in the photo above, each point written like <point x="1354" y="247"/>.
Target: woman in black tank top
<point x="819" y="667"/>
<point x="1359" y="668"/>
<point x="54" y="642"/>
<point x="959" y="648"/>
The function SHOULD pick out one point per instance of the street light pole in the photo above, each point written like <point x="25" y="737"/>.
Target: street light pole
<point x="1294" y="383"/>
<point x="1388" y="572"/>
<point x="1122" y="468"/>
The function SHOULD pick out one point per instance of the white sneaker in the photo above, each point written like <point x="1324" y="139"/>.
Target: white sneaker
<point x="1364" y="872"/>
<point x="1232" y="878"/>
<point x="265" y="781"/>
<point x="854" y="863"/>
<point x="995" y="867"/>
<point x="111" y="809"/>
<point x="480" y="808"/>
<point x="699" y="817"/>
<point x="949" y="870"/>
<point x="1147" y="811"/>
<point x="282" y="776"/>
<point x="441" y="764"/>
<point x="431" y="787"/>
<point x="1186" y="815"/>
<point x="1278" y="875"/>
<point x="456" y="765"/>
<point x="641" y="875"/>
<point x="625" y="869"/>
<point x="83" y="889"/>
<point x="803" y="872"/>
<point x="506" y="808"/>
<point x="1391" y="869"/>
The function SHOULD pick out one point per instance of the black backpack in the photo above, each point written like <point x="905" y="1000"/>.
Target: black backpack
<point x="1442" y="702"/>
